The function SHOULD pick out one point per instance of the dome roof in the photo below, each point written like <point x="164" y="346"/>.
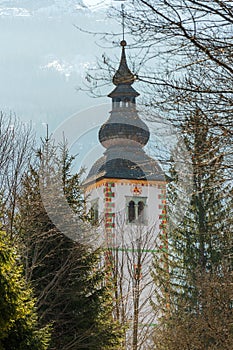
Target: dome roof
<point x="119" y="129"/>
<point x="123" y="90"/>
<point x="125" y="164"/>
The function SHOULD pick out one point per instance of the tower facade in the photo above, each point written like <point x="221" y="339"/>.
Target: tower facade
<point x="125" y="192"/>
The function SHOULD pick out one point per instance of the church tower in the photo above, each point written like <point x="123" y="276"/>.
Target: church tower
<point x="125" y="191"/>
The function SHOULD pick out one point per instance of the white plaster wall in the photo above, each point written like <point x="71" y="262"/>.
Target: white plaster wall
<point x="130" y="237"/>
<point x="123" y="190"/>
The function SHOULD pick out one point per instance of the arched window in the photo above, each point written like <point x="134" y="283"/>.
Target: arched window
<point x="131" y="211"/>
<point x="117" y="102"/>
<point x="136" y="210"/>
<point x="141" y="206"/>
<point x="127" y="102"/>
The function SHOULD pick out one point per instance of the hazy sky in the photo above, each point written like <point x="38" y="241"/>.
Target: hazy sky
<point x="43" y="60"/>
<point x="44" y="57"/>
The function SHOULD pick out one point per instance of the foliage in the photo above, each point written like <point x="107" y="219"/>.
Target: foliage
<point x="67" y="276"/>
<point x="202" y="239"/>
<point x="18" y="319"/>
<point x="199" y="259"/>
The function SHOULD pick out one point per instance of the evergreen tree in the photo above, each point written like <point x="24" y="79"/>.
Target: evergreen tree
<point x="67" y="277"/>
<point x="19" y="328"/>
<point x="199" y="247"/>
<point x="202" y="239"/>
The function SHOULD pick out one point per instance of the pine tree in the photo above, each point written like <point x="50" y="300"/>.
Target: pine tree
<point x="202" y="238"/>
<point x="67" y="277"/>
<point x="19" y="328"/>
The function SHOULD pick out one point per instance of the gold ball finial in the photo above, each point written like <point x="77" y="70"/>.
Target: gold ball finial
<point x="123" y="43"/>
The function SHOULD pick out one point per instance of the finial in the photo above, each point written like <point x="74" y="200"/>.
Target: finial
<point x="123" y="21"/>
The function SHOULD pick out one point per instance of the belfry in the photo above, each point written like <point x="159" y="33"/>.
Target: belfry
<point x="126" y="191"/>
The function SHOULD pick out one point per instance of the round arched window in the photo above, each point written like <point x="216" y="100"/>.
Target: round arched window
<point x="141" y="206"/>
<point x="131" y="211"/>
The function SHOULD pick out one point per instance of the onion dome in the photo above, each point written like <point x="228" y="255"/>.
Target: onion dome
<point x="117" y="130"/>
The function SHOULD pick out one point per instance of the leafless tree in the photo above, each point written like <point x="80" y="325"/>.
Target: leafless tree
<point x="130" y="261"/>
<point x="209" y="326"/>
<point x="192" y="42"/>
<point x="182" y="53"/>
<point x="16" y="146"/>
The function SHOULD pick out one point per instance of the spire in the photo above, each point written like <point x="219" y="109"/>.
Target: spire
<point x="124" y="126"/>
<point x="124" y="134"/>
<point x="123" y="75"/>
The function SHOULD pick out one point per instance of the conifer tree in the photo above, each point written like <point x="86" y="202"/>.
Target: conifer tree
<point x="19" y="328"/>
<point x="199" y="258"/>
<point x="67" y="277"/>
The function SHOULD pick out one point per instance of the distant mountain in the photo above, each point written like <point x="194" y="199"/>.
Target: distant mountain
<point x="44" y="57"/>
<point x="48" y="8"/>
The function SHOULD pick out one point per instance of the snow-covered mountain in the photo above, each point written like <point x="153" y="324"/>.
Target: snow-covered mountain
<point x="44" y="56"/>
<point x="49" y="8"/>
